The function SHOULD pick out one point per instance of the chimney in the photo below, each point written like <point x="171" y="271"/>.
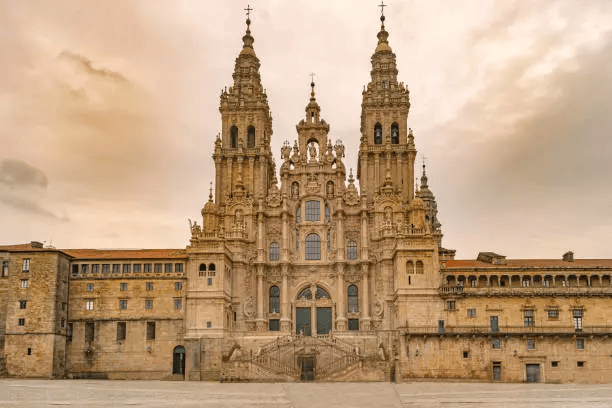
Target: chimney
<point x="568" y="256"/>
<point x="36" y="244"/>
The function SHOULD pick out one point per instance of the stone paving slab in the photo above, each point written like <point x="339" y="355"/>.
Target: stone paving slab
<point x="163" y="394"/>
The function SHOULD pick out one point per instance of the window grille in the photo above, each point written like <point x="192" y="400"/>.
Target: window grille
<point x="274" y="251"/>
<point x="313" y="211"/>
<point x="313" y="247"/>
<point x="352" y="250"/>
<point x="274" y="299"/>
<point x="353" y="299"/>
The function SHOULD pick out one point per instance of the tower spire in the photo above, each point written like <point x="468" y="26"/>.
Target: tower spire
<point x="248" y="40"/>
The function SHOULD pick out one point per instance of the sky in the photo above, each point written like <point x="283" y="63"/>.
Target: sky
<point x="109" y="111"/>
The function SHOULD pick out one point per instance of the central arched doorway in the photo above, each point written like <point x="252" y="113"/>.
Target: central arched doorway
<point x="313" y="311"/>
<point x="178" y="360"/>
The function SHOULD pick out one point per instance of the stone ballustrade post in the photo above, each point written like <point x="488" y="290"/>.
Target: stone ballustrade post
<point x="285" y="319"/>
<point x="340" y="312"/>
<point x="260" y="322"/>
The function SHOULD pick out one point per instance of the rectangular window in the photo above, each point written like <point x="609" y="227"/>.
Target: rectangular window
<point x="89" y="304"/>
<point x="85" y="268"/>
<point x="450" y="305"/>
<point x="149" y="285"/>
<point x="150" y="330"/>
<point x="178" y="267"/>
<point x="123" y="304"/>
<point x="168" y="267"/>
<point x="580" y="364"/>
<point x="210" y="281"/>
<point x="137" y="268"/>
<point x="531" y="344"/>
<point x="121" y="331"/>
<point x="105" y="268"/>
<point x="313" y="210"/>
<point x="274" y="325"/>
<point x="26" y="265"/>
<point x="116" y="268"/>
<point x="62" y="323"/>
<point x="577" y="320"/>
<point x="69" y="333"/>
<point x="297" y="239"/>
<point x="89" y="332"/>
<point x="353" y="324"/>
<point x="554" y="364"/>
<point x="472" y="313"/>
<point x="466" y="354"/>
<point x="148" y="303"/>
<point x="90" y="287"/>
<point x="158" y="268"/>
<point x="178" y="285"/>
<point x="25" y="283"/>
<point x="95" y="268"/>
<point x="178" y="304"/>
<point x="4" y="269"/>
<point x="579" y="344"/>
<point x="22" y="304"/>
<point x="75" y="269"/>
<point x="496" y="343"/>
<point x="126" y="268"/>
<point x="123" y="286"/>
<point x="147" y="268"/>
<point x="29" y="351"/>
<point x="528" y="316"/>
<point x="553" y="313"/>
<point x="21" y="322"/>
<point x="209" y="324"/>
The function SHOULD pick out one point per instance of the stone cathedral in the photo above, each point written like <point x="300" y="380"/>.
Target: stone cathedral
<point x="298" y="275"/>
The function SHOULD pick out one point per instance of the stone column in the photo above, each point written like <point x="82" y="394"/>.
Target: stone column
<point x="340" y="310"/>
<point x="313" y="311"/>
<point x="285" y="318"/>
<point x="284" y="251"/>
<point x="260" y="322"/>
<point x="230" y="164"/>
<point x="376" y="171"/>
<point x="365" y="302"/>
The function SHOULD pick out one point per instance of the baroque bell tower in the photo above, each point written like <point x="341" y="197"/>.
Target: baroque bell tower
<point x="243" y="158"/>
<point x="387" y="148"/>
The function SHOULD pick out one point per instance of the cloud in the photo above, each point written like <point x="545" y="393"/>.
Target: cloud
<point x="87" y="66"/>
<point x="16" y="173"/>
<point x="30" y="207"/>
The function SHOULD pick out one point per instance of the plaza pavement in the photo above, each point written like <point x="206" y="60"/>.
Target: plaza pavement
<point x="162" y="394"/>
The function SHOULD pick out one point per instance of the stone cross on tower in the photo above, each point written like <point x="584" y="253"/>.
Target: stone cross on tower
<point x="248" y="10"/>
<point x="382" y="7"/>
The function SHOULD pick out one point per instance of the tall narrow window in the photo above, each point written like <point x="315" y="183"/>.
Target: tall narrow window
<point x="150" y="330"/>
<point x="353" y="299"/>
<point x="328" y="240"/>
<point x="90" y="332"/>
<point x="251" y="137"/>
<point x="410" y="267"/>
<point x="233" y="137"/>
<point x="528" y="315"/>
<point x="577" y="320"/>
<point x="202" y="269"/>
<point x="313" y="247"/>
<point x="297" y="239"/>
<point x="298" y="214"/>
<point x="419" y="267"/>
<point x="394" y="134"/>
<point x="26" y="265"/>
<point x="313" y="211"/>
<point x="211" y="269"/>
<point x="121" y="331"/>
<point x="85" y="268"/>
<point x="327" y="216"/>
<point x="274" y="299"/>
<point x="377" y="134"/>
<point x="4" y="268"/>
<point x="351" y="250"/>
<point x="274" y="251"/>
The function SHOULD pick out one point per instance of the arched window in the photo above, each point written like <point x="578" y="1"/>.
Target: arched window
<point x="305" y="294"/>
<point x="274" y="251"/>
<point x="274" y="299"/>
<point x="321" y="293"/>
<point x="419" y="267"/>
<point x="313" y="247"/>
<point x="202" y="269"/>
<point x="298" y="215"/>
<point x="410" y="267"/>
<point x="351" y="250"/>
<point x="394" y="134"/>
<point x="377" y="134"/>
<point x="353" y="299"/>
<point x="211" y="269"/>
<point x="234" y="137"/>
<point x="251" y="136"/>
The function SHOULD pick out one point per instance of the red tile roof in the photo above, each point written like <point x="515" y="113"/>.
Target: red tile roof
<point x="530" y="263"/>
<point x="127" y="253"/>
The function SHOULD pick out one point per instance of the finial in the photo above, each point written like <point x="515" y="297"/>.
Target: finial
<point x="312" y="84"/>
<point x="248" y="13"/>
<point x="210" y="192"/>
<point x="382" y="12"/>
<point x="424" y="165"/>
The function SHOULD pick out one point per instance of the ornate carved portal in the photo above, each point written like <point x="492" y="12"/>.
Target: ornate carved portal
<point x="313" y="308"/>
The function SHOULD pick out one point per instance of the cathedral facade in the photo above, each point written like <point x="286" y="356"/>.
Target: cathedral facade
<point x="306" y="277"/>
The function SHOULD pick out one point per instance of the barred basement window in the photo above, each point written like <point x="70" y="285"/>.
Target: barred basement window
<point x="147" y="268"/>
<point x="29" y="351"/>
<point x="158" y="268"/>
<point x="313" y="210"/>
<point x="168" y="267"/>
<point x="178" y="267"/>
<point x="121" y="331"/>
<point x="116" y="268"/>
<point x="150" y="330"/>
<point x="126" y="268"/>
<point x="466" y="354"/>
<point x="313" y="247"/>
<point x="580" y="363"/>
<point x="274" y="251"/>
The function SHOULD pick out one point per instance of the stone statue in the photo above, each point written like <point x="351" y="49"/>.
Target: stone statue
<point x="312" y="151"/>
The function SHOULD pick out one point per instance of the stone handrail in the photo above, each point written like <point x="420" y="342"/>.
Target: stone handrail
<point x="523" y="290"/>
<point x="508" y="330"/>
